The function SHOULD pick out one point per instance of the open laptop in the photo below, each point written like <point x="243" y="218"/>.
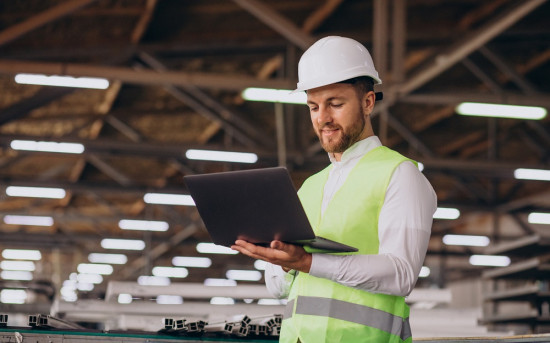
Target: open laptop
<point x="258" y="206"/>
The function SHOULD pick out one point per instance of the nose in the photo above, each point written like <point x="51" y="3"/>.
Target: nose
<point x="324" y="116"/>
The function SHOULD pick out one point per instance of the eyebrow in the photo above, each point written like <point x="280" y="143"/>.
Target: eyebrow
<point x="327" y="100"/>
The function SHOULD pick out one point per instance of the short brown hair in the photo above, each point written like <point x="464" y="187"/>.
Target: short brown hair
<point x="362" y="84"/>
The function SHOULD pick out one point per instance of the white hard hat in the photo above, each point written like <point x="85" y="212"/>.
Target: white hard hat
<point x="333" y="59"/>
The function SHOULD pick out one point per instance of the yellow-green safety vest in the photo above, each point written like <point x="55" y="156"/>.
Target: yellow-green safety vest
<point x="320" y="310"/>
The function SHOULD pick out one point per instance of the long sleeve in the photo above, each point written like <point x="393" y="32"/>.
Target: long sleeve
<point x="403" y="229"/>
<point x="277" y="281"/>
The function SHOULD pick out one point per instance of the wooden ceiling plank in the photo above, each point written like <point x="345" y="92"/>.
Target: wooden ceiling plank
<point x="42" y="19"/>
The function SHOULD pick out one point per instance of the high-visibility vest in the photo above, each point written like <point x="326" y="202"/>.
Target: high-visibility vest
<point x="320" y="310"/>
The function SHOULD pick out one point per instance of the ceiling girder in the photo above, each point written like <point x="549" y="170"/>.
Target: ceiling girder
<point x="277" y="22"/>
<point x="146" y="77"/>
<point x="41" y="19"/>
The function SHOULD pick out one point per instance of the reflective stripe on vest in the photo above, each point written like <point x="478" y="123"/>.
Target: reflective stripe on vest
<point x="360" y="314"/>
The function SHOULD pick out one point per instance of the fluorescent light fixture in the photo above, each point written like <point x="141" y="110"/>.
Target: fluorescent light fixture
<point x="22" y="254"/>
<point x="420" y="166"/>
<point x="18" y="265"/>
<point x="243" y="275"/>
<point x="446" y="213"/>
<point x="146" y="280"/>
<point x="538" y="218"/>
<point x="28" y="220"/>
<point x="62" y="81"/>
<point x="13" y="296"/>
<point x="489" y="260"/>
<point x="67" y="148"/>
<point x="222" y="301"/>
<point x="68" y="295"/>
<point x="169" y="300"/>
<point x="222" y="156"/>
<point x="16" y="275"/>
<point x="501" y="111"/>
<point x="85" y="287"/>
<point x="424" y="272"/>
<point x="143" y="225"/>
<point x="220" y="282"/>
<point x="271" y="302"/>
<point x="124" y="298"/>
<point x="260" y="264"/>
<point x="93" y="268"/>
<point x="169" y="199"/>
<point x="211" y="248"/>
<point x="532" y="174"/>
<point x="107" y="258"/>
<point x="274" y="95"/>
<point x="188" y="261"/>
<point x="176" y="272"/>
<point x="89" y="278"/>
<point x="122" y="244"/>
<point x="466" y="240"/>
<point x="35" y="192"/>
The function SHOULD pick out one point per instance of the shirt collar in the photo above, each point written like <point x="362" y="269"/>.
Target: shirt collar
<point x="357" y="150"/>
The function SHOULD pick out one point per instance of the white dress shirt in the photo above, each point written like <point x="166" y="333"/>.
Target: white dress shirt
<point x="404" y="228"/>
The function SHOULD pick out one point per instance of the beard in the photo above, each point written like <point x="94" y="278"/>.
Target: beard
<point x="346" y="138"/>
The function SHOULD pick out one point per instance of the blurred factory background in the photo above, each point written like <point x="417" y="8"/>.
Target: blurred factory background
<point x="96" y="222"/>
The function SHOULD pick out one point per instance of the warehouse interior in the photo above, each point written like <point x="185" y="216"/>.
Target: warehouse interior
<point x="177" y="72"/>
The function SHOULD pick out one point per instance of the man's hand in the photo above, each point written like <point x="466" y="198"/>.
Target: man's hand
<point x="288" y="256"/>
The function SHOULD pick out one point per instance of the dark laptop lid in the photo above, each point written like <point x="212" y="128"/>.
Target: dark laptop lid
<point x="257" y="205"/>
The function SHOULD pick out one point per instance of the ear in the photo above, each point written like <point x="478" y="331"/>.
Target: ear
<point x="368" y="102"/>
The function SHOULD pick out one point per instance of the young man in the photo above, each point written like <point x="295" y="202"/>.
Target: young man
<point x="370" y="197"/>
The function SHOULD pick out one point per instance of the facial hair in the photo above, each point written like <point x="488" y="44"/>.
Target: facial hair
<point x="347" y="137"/>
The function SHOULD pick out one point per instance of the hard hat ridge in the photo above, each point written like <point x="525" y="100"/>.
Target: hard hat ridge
<point x="333" y="59"/>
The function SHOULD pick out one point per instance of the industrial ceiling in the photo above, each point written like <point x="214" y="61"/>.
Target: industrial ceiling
<point x="177" y="70"/>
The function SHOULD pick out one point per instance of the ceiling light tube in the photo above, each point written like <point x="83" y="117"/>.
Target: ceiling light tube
<point x="446" y="213"/>
<point x="122" y="244"/>
<point x="211" y="248"/>
<point x="532" y="174"/>
<point x="35" y="192"/>
<point x="169" y="300"/>
<point x="62" y="81"/>
<point x="188" y="261"/>
<point x="274" y="95"/>
<point x="466" y="240"/>
<point x="489" y="260"/>
<point x="424" y="272"/>
<point x="44" y="146"/>
<point x="538" y="218"/>
<point x="94" y="268"/>
<point x="221" y="156"/>
<point x="107" y="258"/>
<point x="143" y="225"/>
<point x="28" y="220"/>
<point x="169" y="199"/>
<point x="13" y="296"/>
<point x="175" y="272"/>
<point x="16" y="275"/>
<point x="501" y="111"/>
<point x="21" y="254"/>
<point x="27" y="266"/>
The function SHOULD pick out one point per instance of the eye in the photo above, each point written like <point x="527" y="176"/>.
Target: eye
<point x="337" y="105"/>
<point x="313" y="108"/>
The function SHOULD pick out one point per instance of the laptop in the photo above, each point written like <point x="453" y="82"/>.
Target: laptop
<point x="258" y="206"/>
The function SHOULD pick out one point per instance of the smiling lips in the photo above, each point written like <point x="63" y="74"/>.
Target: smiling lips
<point x="329" y="131"/>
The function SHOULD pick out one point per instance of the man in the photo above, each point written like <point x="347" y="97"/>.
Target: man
<point x="370" y="197"/>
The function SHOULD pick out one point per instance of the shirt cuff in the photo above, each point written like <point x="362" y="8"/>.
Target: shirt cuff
<point x="324" y="266"/>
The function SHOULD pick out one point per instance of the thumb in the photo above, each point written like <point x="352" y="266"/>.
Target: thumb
<point x="277" y="245"/>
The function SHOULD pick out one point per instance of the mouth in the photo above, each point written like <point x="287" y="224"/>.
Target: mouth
<point x="329" y="131"/>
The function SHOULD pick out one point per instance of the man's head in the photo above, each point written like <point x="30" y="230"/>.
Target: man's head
<point x="339" y="76"/>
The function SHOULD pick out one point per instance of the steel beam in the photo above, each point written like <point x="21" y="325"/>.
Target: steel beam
<point x="41" y="19"/>
<point x="146" y="77"/>
<point x="448" y="98"/>
<point x="277" y="22"/>
<point x="469" y="44"/>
